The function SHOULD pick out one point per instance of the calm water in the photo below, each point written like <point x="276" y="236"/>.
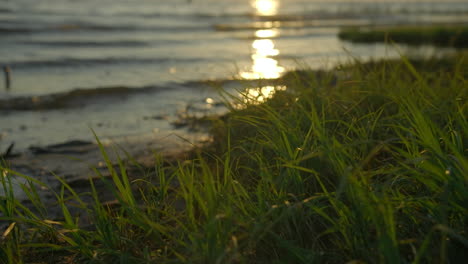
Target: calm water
<point x="161" y="50"/>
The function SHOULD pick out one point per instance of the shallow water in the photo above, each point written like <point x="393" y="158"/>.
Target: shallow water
<point x="163" y="50"/>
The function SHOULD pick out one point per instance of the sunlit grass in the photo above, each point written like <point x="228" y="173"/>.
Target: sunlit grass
<point x="367" y="163"/>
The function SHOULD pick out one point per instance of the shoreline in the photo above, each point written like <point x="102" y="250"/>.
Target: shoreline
<point x="170" y="143"/>
<point x="334" y="166"/>
<point x="184" y="123"/>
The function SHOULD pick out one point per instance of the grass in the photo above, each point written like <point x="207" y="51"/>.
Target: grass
<point x="364" y="164"/>
<point x="444" y="36"/>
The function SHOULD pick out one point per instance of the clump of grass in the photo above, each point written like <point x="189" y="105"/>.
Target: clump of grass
<point x="444" y="36"/>
<point x="365" y="164"/>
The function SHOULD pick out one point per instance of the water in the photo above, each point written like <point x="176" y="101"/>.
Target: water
<point x="134" y="60"/>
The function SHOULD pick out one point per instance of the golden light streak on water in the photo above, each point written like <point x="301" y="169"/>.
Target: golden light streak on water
<point x="264" y="47"/>
<point x="266" y="33"/>
<point x="266" y="7"/>
<point x="264" y="53"/>
<point x="265" y="66"/>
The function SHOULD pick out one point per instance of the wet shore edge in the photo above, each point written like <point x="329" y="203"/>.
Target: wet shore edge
<point x="76" y="162"/>
<point x="171" y="146"/>
<point x="349" y="140"/>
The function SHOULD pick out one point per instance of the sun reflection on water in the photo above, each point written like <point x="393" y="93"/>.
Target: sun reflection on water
<point x="264" y="53"/>
<point x="266" y="33"/>
<point x="266" y="7"/>
<point x="265" y="65"/>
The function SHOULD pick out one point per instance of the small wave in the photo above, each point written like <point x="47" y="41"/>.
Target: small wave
<point x="5" y="10"/>
<point x="160" y="28"/>
<point x="151" y="13"/>
<point x="81" y="97"/>
<point x="84" y="26"/>
<point x="85" y="62"/>
<point x="191" y="15"/>
<point x="78" y="44"/>
<point x="293" y="34"/>
<point x="100" y="28"/>
<point x="74" y="98"/>
<point x="309" y="16"/>
<point x="292" y="24"/>
<point x="223" y="15"/>
<point x="13" y="30"/>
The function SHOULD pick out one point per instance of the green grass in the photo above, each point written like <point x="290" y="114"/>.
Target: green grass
<point x="365" y="164"/>
<point x="444" y="36"/>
